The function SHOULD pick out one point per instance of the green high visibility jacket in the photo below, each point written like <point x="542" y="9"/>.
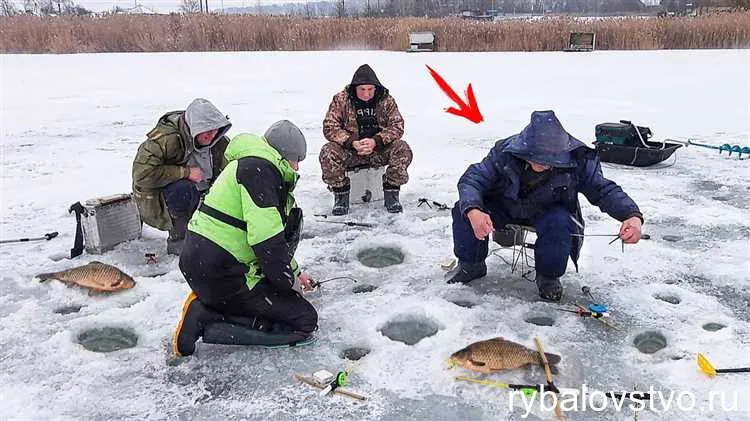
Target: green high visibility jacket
<point x="245" y="213"/>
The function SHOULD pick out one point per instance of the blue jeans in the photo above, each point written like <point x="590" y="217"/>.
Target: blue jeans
<point x="552" y="247"/>
<point x="182" y="198"/>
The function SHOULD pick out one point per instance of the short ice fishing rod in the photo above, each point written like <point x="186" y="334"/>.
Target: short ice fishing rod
<point x="709" y="369"/>
<point x="315" y="284"/>
<point x="47" y="236"/>
<point x="347" y="223"/>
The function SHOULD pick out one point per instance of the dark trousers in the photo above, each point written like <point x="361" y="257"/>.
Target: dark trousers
<point x="265" y="304"/>
<point x="552" y="247"/>
<point x="219" y="281"/>
<point x="182" y="198"/>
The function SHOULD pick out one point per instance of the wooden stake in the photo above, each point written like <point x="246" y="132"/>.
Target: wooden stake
<point x="548" y="375"/>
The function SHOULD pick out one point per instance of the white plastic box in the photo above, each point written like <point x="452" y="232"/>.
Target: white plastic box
<point x="108" y="221"/>
<point x="366" y="184"/>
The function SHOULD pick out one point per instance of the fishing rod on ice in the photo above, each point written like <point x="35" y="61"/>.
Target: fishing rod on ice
<point x="48" y="236"/>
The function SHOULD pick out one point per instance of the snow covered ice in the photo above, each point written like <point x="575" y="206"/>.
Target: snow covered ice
<point x="70" y="128"/>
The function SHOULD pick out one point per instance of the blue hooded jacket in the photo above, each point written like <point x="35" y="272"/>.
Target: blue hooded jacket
<point x="575" y="169"/>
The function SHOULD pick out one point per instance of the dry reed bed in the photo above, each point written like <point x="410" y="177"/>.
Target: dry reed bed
<point x="29" y="34"/>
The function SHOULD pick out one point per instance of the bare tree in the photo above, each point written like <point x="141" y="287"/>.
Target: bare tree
<point x="190" y="6"/>
<point x="340" y="9"/>
<point x="7" y="8"/>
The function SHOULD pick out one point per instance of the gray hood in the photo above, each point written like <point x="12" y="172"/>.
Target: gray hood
<point x="201" y="116"/>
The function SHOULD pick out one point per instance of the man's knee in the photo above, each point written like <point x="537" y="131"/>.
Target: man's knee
<point x="331" y="152"/>
<point x="308" y="320"/>
<point x="181" y="197"/>
<point x="555" y="219"/>
<point x="401" y="153"/>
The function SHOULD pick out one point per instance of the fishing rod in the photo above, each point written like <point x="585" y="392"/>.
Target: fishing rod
<point x="709" y="369"/>
<point x="315" y="284"/>
<point x="48" y="236"/>
<point x="430" y="203"/>
<point x="530" y="389"/>
<point x="347" y="223"/>
<point x="594" y="310"/>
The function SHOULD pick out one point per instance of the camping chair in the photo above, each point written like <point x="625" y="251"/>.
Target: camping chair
<point x="516" y="238"/>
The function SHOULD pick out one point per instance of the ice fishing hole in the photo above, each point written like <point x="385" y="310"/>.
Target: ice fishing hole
<point x="380" y="257"/>
<point x="671" y="299"/>
<point x="671" y="238"/>
<point x="107" y="339"/>
<point x="463" y="303"/>
<point x="713" y="327"/>
<point x="354" y="354"/>
<point x="409" y="329"/>
<point x="650" y="342"/>
<point x="68" y="309"/>
<point x="364" y="288"/>
<point x="540" y="320"/>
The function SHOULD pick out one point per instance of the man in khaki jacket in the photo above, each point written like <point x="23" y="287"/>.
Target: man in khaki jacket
<point x="176" y="164"/>
<point x="364" y="129"/>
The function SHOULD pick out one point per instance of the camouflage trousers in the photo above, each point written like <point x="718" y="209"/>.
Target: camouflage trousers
<point x="335" y="161"/>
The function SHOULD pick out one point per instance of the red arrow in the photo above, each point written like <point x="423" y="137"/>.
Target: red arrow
<point x="469" y="111"/>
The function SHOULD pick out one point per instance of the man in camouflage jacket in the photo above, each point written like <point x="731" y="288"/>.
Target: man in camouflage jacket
<point x="176" y="164"/>
<point x="364" y="129"/>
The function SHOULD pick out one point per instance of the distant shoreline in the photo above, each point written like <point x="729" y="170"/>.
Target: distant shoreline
<point x="201" y="32"/>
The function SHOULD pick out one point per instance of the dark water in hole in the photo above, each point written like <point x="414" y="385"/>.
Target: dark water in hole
<point x="410" y="329"/>
<point x="463" y="303"/>
<point x="540" y="320"/>
<point x="68" y="309"/>
<point x="364" y="288"/>
<point x="380" y="257"/>
<point x="107" y="339"/>
<point x="650" y="342"/>
<point x="354" y="353"/>
<point x="713" y="327"/>
<point x="671" y="299"/>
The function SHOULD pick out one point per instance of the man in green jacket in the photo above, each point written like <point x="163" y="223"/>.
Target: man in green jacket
<point x="176" y="164"/>
<point x="238" y="256"/>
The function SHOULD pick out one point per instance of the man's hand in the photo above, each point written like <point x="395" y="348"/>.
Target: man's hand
<point x="481" y="223"/>
<point x="196" y="175"/>
<point x="630" y="231"/>
<point x="364" y="146"/>
<point x="306" y="281"/>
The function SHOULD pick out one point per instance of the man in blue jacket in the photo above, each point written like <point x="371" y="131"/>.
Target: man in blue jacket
<point x="533" y="178"/>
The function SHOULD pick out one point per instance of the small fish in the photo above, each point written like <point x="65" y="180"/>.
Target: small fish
<point x="498" y="354"/>
<point x="96" y="276"/>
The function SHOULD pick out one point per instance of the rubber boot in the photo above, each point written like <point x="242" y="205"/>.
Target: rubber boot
<point x="467" y="272"/>
<point x="177" y="235"/>
<point x="340" y="203"/>
<point x="550" y="288"/>
<point x="390" y="199"/>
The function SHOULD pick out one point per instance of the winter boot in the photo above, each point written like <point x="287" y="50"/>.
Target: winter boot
<point x="177" y="234"/>
<point x="340" y="202"/>
<point x="390" y="199"/>
<point x="195" y="317"/>
<point x="549" y="287"/>
<point x="466" y="272"/>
